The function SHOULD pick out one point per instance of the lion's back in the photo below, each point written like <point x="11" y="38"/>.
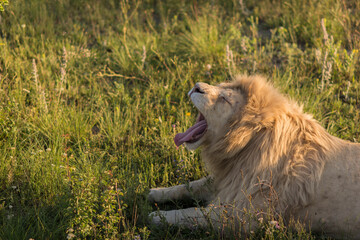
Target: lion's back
<point x="336" y="204"/>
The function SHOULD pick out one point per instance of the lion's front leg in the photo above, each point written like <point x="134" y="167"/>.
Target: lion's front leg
<point x="200" y="189"/>
<point x="189" y="217"/>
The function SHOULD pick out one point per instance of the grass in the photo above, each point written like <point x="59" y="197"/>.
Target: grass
<point x="93" y="92"/>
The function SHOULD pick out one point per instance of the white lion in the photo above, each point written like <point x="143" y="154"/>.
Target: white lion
<point x="262" y="151"/>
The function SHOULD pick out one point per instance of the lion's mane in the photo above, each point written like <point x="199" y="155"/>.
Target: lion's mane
<point x="270" y="147"/>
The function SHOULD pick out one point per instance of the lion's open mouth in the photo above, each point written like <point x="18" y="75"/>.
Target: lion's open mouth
<point x="194" y="133"/>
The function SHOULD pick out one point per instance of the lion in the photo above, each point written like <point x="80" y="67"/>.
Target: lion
<point x="263" y="151"/>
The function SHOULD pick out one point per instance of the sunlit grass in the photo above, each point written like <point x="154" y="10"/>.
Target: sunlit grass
<point x="93" y="92"/>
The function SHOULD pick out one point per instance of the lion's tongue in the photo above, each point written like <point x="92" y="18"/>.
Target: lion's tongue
<point x="191" y="134"/>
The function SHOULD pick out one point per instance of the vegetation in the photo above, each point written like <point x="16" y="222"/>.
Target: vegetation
<point x="93" y="92"/>
<point x="2" y="3"/>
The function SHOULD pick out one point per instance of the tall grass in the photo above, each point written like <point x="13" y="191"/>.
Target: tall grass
<point x="92" y="93"/>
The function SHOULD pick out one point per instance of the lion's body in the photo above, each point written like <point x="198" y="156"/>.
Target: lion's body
<point x="267" y="153"/>
<point x="335" y="206"/>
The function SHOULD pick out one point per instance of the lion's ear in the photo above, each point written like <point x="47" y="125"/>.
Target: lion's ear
<point x="263" y="109"/>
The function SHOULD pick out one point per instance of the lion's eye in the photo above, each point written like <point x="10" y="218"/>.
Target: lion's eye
<point x="225" y="99"/>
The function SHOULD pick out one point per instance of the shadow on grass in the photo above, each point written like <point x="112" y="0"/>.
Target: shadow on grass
<point x="49" y="221"/>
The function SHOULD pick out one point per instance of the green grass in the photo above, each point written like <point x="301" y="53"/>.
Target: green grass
<point x="93" y="92"/>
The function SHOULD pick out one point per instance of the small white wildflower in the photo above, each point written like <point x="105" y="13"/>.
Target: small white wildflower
<point x="13" y="187"/>
<point x="10" y="206"/>
<point x="243" y="45"/>
<point x="318" y="55"/>
<point x="208" y="67"/>
<point x="323" y="26"/>
<point x="86" y="53"/>
<point x="23" y="25"/>
<point x="273" y="223"/>
<point x="70" y="236"/>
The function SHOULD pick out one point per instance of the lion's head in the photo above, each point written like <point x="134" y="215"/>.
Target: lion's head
<point x="216" y="105"/>
<point x="224" y="108"/>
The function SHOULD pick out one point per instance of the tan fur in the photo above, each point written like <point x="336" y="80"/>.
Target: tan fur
<point x="266" y="152"/>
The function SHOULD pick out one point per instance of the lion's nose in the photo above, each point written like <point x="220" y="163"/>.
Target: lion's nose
<point x="198" y="88"/>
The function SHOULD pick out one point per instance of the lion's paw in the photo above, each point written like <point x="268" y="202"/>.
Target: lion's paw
<point x="157" y="217"/>
<point x="152" y="196"/>
<point x="156" y="195"/>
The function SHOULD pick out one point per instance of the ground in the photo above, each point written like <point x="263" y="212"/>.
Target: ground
<point x="93" y="92"/>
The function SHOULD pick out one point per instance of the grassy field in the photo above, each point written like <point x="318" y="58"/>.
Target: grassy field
<point x="93" y="92"/>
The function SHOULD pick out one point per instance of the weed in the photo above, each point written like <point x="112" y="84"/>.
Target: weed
<point x="93" y="92"/>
